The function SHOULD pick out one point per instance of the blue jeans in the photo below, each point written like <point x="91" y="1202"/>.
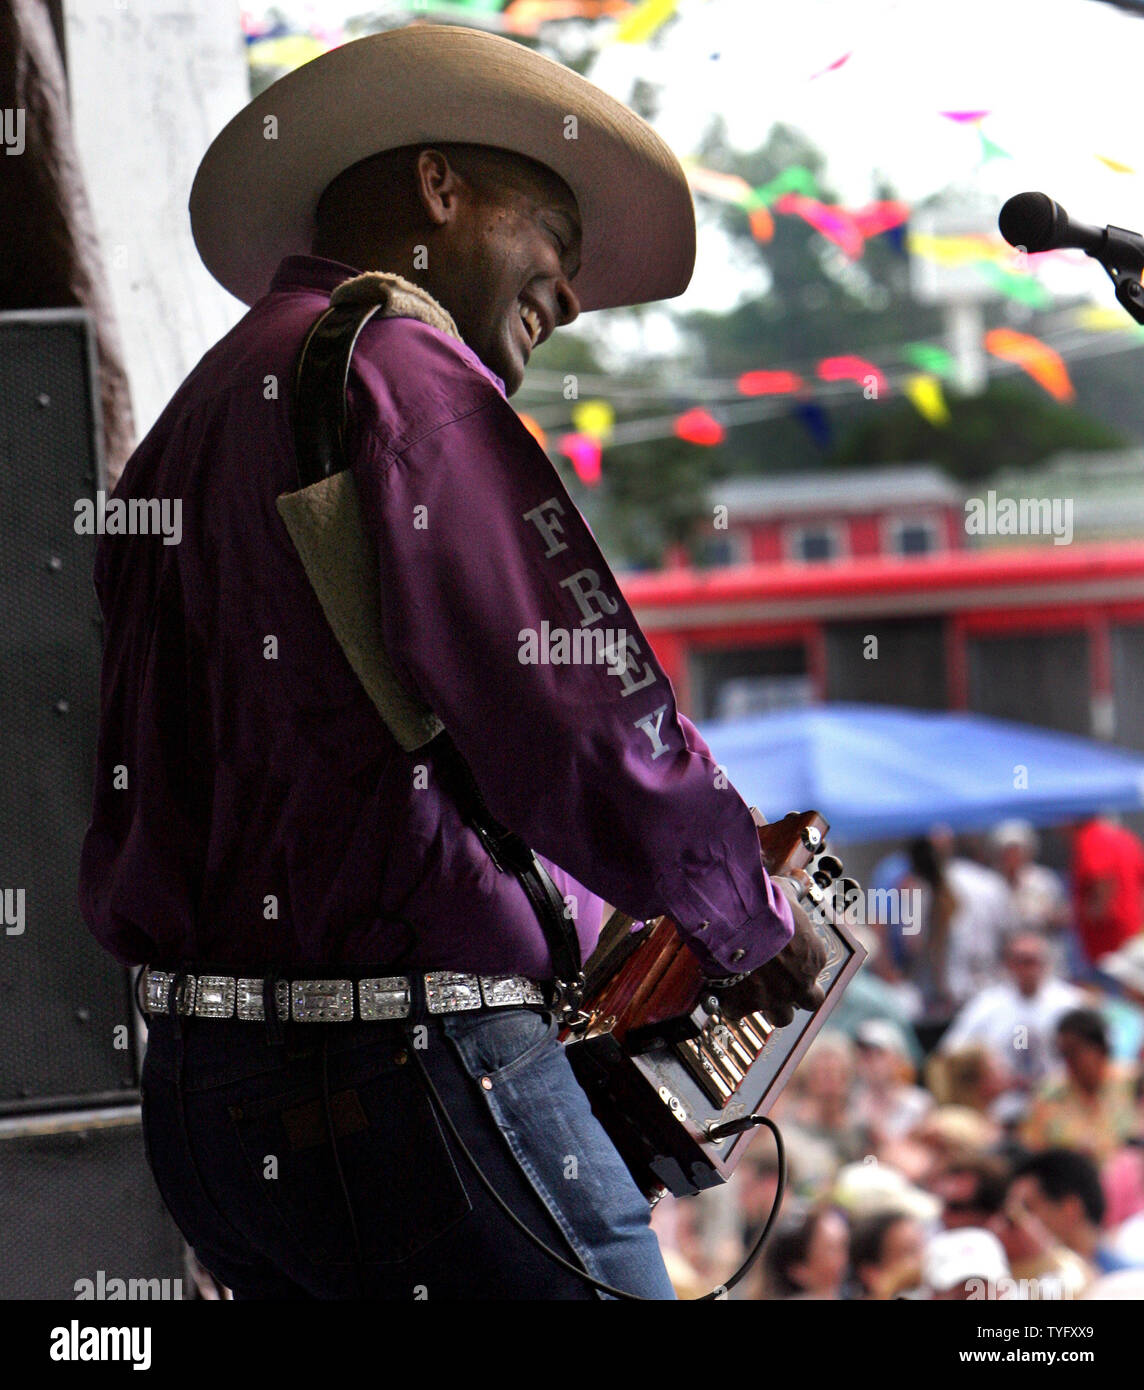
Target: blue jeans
<point x="237" y="1129"/>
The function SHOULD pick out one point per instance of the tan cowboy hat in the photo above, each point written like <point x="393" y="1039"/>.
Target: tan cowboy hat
<point x="256" y="190"/>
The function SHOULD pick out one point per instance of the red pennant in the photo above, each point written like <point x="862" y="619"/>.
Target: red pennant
<point x="851" y="369"/>
<point x="769" y="383"/>
<point x="697" y="427"/>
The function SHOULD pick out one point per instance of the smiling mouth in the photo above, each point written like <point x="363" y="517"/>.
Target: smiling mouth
<point x="532" y="324"/>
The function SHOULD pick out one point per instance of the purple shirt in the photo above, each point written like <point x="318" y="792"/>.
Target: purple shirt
<point x="251" y="808"/>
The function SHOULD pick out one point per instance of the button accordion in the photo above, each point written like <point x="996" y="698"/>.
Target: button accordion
<point x="676" y="1085"/>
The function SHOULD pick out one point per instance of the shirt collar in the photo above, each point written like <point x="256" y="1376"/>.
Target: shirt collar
<point x="311" y="273"/>
<point x="321" y="273"/>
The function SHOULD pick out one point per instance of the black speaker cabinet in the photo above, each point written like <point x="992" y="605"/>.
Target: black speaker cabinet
<point x="66" y="1027"/>
<point x="81" y="1216"/>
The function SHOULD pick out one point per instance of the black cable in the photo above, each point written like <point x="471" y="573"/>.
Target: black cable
<point x="359" y="1262"/>
<point x="735" y="1278"/>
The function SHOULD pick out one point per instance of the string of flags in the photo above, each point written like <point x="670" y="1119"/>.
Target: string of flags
<point x="929" y="367"/>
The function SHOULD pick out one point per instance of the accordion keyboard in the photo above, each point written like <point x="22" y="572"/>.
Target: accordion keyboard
<point x="721" y="1056"/>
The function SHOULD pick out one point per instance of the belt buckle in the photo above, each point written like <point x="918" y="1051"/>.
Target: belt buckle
<point x="157" y="990"/>
<point x="215" y="997"/>
<point x="451" y="991"/>
<point x="388" y="996"/>
<point x="500" y="991"/>
<point x="322" y="1001"/>
<point x="248" y="1001"/>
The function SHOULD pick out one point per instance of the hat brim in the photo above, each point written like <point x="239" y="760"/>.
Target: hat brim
<point x="256" y="191"/>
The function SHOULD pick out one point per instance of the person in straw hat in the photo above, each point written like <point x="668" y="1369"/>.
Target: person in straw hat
<point x="328" y="710"/>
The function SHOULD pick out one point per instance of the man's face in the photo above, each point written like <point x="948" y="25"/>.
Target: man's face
<point x="504" y="263"/>
<point x="1084" y="1061"/>
<point x="1028" y="961"/>
<point x="1060" y="1217"/>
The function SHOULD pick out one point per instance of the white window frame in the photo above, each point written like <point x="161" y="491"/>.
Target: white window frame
<point x="893" y="525"/>
<point x="839" y="533"/>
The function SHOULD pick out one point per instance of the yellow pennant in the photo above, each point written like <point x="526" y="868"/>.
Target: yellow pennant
<point x="925" y="393"/>
<point x="595" y="419"/>
<point x="1115" y="165"/>
<point x="644" y="20"/>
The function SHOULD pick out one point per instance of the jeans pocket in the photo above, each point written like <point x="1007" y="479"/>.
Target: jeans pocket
<point x="498" y="1044"/>
<point x="403" y="1186"/>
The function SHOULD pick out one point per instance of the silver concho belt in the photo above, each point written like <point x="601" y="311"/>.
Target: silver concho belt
<point x="335" y="1001"/>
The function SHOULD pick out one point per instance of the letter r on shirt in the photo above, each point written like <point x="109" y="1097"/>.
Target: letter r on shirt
<point x="585" y="588"/>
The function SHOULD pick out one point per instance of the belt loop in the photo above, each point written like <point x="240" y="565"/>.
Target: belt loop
<point x="418" y="1004"/>
<point x="274" y="1036"/>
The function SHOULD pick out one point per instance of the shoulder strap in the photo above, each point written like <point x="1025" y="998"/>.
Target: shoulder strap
<point x="319" y="418"/>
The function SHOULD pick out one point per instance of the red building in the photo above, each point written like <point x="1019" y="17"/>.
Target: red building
<point x="1050" y="635"/>
<point x="908" y="509"/>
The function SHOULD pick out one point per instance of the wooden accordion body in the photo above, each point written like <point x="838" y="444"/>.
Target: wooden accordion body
<point x="673" y="1083"/>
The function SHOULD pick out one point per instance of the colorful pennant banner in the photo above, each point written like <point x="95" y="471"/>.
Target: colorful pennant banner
<point x="1042" y="363"/>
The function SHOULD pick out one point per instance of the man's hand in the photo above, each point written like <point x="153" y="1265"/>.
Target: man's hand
<point x="787" y="982"/>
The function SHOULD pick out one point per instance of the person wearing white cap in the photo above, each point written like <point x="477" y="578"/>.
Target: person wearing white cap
<point x="968" y="1263"/>
<point x="1039" y="899"/>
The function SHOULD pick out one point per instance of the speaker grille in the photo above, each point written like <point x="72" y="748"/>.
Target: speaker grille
<point x="61" y="995"/>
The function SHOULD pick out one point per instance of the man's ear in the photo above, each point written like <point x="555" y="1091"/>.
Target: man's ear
<point x="439" y="186"/>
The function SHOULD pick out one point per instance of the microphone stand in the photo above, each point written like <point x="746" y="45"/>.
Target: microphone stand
<point x="1129" y="291"/>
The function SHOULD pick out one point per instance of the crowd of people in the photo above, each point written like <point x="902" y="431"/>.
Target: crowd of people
<point x="970" y="1123"/>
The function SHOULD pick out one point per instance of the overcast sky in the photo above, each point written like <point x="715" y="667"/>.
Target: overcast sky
<point x="1062" y="80"/>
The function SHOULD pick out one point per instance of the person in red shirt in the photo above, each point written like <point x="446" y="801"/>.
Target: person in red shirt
<point x="1107" y="886"/>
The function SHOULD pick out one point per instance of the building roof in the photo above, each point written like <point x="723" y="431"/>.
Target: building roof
<point x="838" y="490"/>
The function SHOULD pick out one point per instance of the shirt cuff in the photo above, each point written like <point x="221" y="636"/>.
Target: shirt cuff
<point x="725" y="944"/>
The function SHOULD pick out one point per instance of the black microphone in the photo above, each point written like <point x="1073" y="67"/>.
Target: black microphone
<point x="1034" y="222"/>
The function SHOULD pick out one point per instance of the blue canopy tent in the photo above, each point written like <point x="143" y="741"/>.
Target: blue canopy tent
<point x="877" y="772"/>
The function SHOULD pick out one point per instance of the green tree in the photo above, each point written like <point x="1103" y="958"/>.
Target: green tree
<point x="1012" y="424"/>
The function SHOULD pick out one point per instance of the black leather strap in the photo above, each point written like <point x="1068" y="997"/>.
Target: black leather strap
<point x="319" y="415"/>
<point x="319" y="418"/>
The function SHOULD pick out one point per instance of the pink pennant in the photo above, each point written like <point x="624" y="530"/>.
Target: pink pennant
<point x="876" y="218"/>
<point x="585" y="454"/>
<point x="831" y="67"/>
<point x="965" y="117"/>
<point x="835" y="223"/>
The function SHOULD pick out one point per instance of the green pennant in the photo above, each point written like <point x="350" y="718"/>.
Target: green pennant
<point x="796" y="179"/>
<point x="929" y="357"/>
<point x="991" y="151"/>
<point x="1022" y="288"/>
